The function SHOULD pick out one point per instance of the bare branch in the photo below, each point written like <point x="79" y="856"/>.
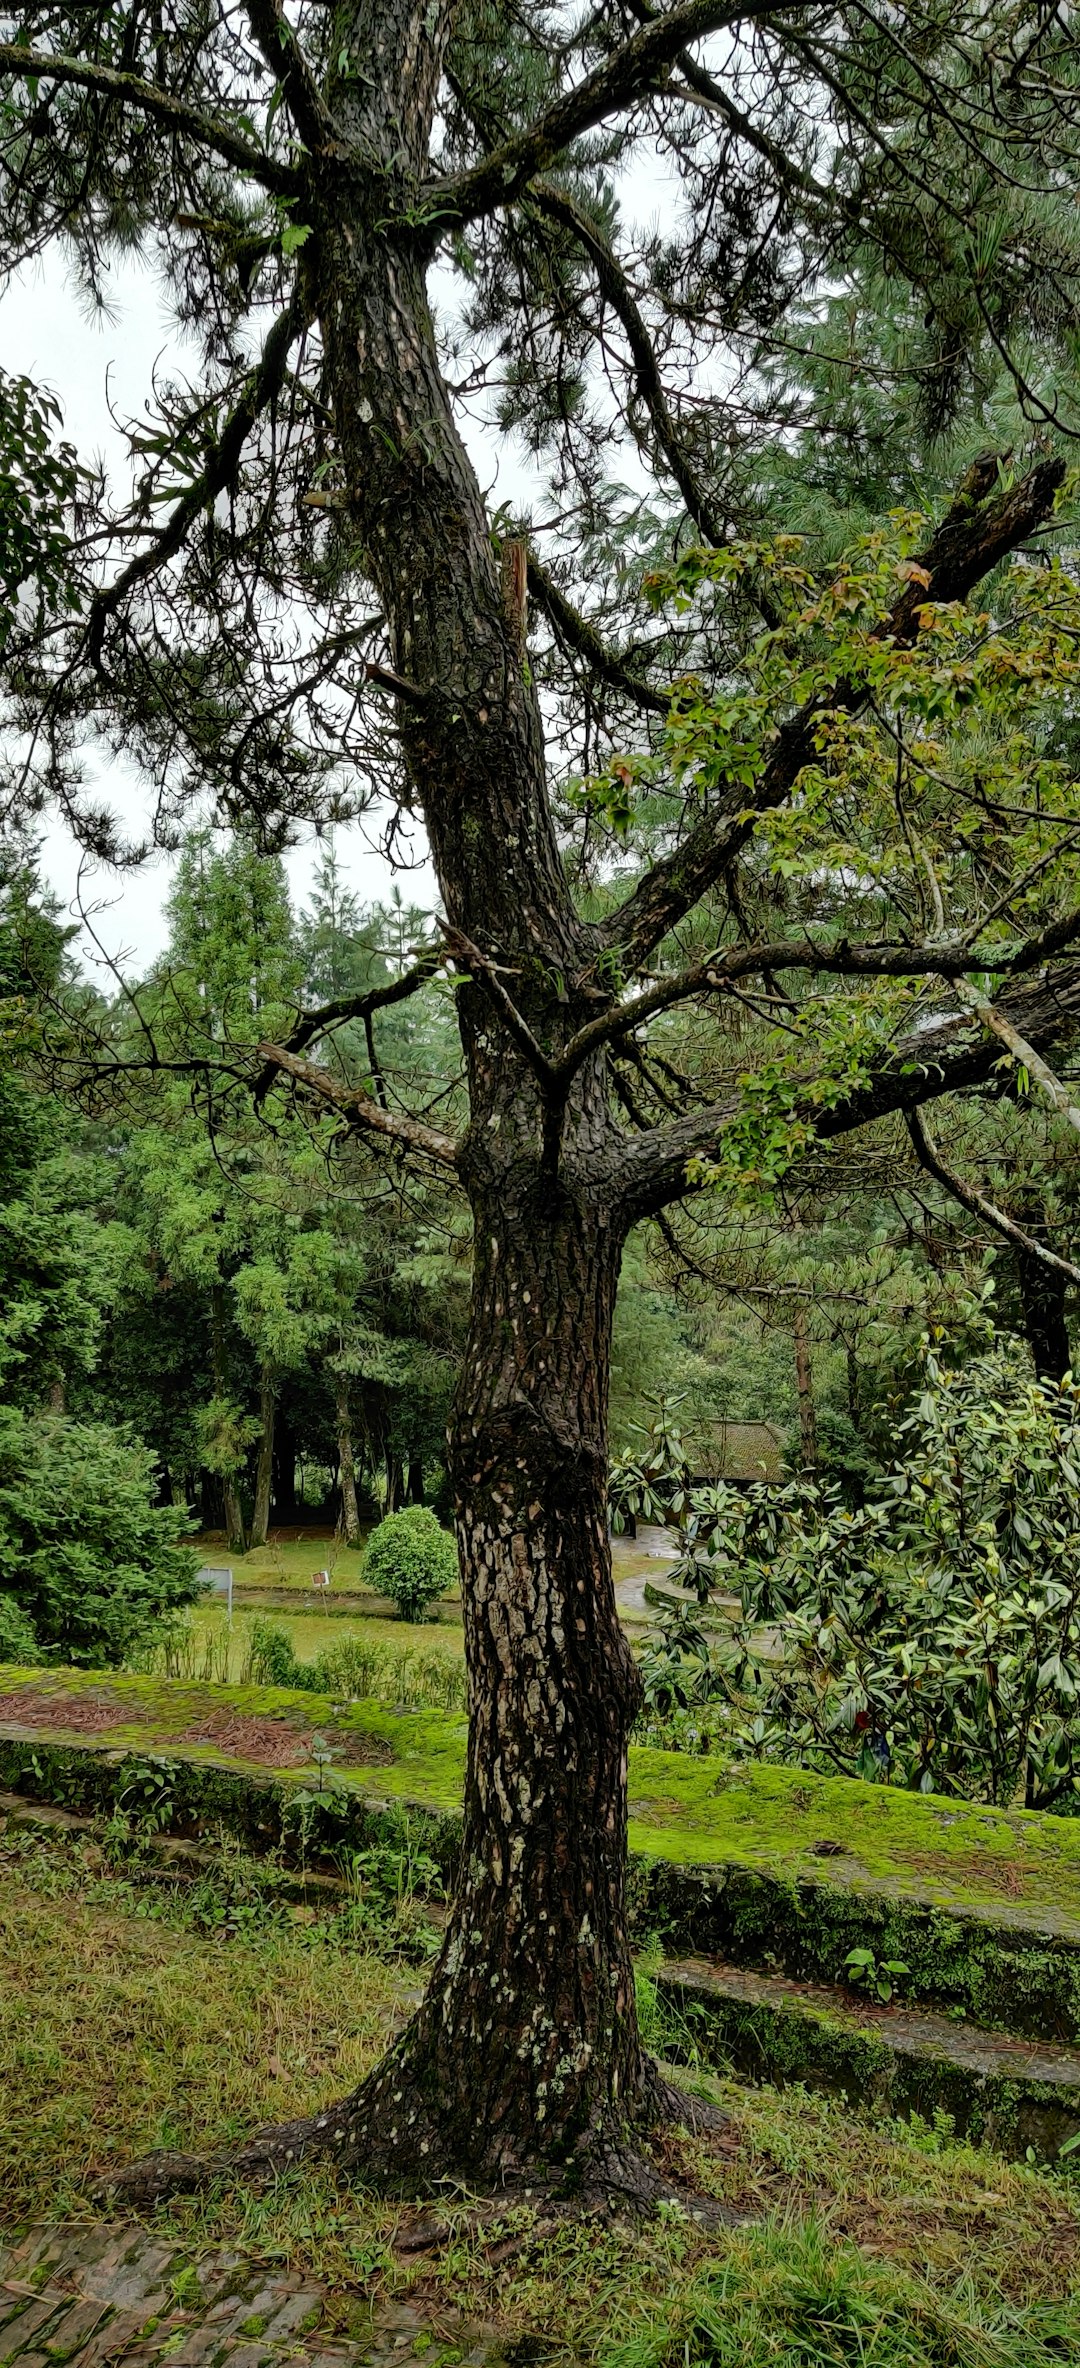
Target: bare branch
<point x="969" y="543"/>
<point x="360" y="1110"/>
<point x="1007" y="1033"/>
<point x="151" y="100"/>
<point x="486" y="972"/>
<point x="976" y="1203"/>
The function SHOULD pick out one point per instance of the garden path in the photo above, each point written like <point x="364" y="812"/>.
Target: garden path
<point x="104" y="2296"/>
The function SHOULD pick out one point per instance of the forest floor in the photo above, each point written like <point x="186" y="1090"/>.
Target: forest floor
<point x="135" y="2014"/>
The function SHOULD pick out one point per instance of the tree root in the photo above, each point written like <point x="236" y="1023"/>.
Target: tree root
<point x="387" y="2136"/>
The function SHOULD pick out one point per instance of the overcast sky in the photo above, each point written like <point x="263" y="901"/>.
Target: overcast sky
<point x="102" y="363"/>
<point x="92" y="364"/>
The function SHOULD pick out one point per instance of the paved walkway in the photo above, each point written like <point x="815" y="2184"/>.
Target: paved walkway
<point x="109" y="2297"/>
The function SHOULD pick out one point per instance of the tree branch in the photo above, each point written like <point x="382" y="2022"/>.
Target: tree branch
<point x="1002" y="1027"/>
<point x="971" y="540"/>
<point x="929" y="1062"/>
<point x="722" y="969"/>
<point x="486" y="972"/>
<point x="576" y="631"/>
<point x="615" y="287"/>
<point x="312" y="1024"/>
<point x="359" y="1109"/>
<point x="623" y="77"/>
<point x="132" y="91"/>
<point x="281" y="48"/>
<point x="220" y="467"/>
<point x="930" y="1158"/>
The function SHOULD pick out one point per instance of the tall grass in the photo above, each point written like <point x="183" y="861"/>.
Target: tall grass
<point x="181" y="1652"/>
<point x="790" y="2295"/>
<point x="356" y="1670"/>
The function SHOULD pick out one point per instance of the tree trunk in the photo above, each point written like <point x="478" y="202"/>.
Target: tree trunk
<point x="804" y="1385"/>
<point x="347" y="1468"/>
<point x="373" y="1424"/>
<point x="260" y="1520"/>
<point x="1042" y="1303"/>
<point x="235" y="1535"/>
<point x="230" y="1492"/>
<point x="525" y="2050"/>
<point x="395" y="1489"/>
<point x="284" y="1491"/>
<point x="525" y="2054"/>
<point x="526" y="2045"/>
<point x="414" y="1494"/>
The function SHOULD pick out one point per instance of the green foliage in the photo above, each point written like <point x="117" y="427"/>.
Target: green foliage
<point x="651" y="1481"/>
<point x="17" y="1639"/>
<point x="94" y="1566"/>
<point x="930" y="1637"/>
<point x="877" y="1976"/>
<point x="271" y="1658"/>
<point x="39" y="483"/>
<point x="411" y="1559"/>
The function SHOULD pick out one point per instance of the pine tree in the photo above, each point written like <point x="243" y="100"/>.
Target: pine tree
<point x="307" y="607"/>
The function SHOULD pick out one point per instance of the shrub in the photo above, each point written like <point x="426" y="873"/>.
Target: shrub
<point x="929" y="1638"/>
<point x="94" y="1566"/>
<point x="412" y="1560"/>
<point x="17" y="1639"/>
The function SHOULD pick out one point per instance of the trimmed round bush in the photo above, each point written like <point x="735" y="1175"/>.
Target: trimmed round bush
<point x="412" y="1560"/>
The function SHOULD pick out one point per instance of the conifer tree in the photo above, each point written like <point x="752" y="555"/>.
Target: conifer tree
<point x="305" y="605"/>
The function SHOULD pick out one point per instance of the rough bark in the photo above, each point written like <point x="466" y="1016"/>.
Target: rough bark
<point x="350" y="1515"/>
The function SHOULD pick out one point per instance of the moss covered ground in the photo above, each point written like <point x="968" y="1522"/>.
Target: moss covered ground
<point x="132" y="2017"/>
<point x="687" y="1811"/>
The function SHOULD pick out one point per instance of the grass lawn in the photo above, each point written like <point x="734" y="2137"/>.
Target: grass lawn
<point x="131" y="2016"/>
<point x="288" y="1561"/>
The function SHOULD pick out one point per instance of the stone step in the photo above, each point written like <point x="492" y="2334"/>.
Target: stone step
<point x="1014" y="2095"/>
<point x="774" y="1868"/>
<point x="165" y="1853"/>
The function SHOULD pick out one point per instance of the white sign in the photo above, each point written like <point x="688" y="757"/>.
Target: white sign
<point x="219" y="1582"/>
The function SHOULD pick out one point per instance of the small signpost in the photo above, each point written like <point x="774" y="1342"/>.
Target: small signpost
<point x="219" y="1582"/>
<point x="320" y="1578"/>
